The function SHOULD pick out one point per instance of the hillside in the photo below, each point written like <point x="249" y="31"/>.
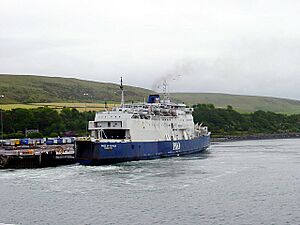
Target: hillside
<point x="29" y="89"/>
<point x="41" y="89"/>
<point x="241" y="103"/>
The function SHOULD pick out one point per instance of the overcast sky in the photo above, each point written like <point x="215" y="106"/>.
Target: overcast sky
<point x="225" y="46"/>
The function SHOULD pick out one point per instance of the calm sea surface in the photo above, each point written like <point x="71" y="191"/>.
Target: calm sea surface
<point x="245" y="182"/>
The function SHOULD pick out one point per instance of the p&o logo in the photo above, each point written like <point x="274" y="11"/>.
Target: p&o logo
<point x="176" y="146"/>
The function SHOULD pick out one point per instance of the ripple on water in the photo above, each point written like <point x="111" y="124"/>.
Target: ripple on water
<point x="247" y="182"/>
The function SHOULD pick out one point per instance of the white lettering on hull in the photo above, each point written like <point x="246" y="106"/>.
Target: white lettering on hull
<point x="108" y="147"/>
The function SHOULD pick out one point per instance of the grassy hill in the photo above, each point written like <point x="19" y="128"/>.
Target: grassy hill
<point x="241" y="103"/>
<point x="40" y="89"/>
<point x="29" y="89"/>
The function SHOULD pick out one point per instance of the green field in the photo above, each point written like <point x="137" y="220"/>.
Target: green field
<point x="15" y="106"/>
<point x="27" y="91"/>
<point x="30" y="89"/>
<point x="80" y="106"/>
<point x="241" y="103"/>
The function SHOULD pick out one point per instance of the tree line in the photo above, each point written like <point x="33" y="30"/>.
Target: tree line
<point x="49" y="122"/>
<point x="228" y="121"/>
<point x="220" y="121"/>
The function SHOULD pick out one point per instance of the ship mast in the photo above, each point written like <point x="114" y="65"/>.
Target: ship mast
<point x="122" y="93"/>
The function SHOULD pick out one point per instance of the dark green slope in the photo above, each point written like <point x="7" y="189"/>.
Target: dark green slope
<point x="28" y="89"/>
<point x="241" y="103"/>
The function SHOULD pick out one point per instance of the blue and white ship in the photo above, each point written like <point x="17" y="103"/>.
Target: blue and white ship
<point x="141" y="131"/>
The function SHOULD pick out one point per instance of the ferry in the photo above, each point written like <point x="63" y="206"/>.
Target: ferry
<point x="141" y="131"/>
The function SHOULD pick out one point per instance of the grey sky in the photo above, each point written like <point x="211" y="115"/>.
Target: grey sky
<point x="227" y="46"/>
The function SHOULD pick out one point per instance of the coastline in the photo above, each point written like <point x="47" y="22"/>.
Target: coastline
<point x="226" y="138"/>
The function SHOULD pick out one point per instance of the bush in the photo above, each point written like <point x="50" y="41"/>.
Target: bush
<point x="53" y="134"/>
<point x="35" y="135"/>
<point x="228" y="121"/>
<point x="14" y="135"/>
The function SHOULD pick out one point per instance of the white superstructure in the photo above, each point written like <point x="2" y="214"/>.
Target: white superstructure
<point x="156" y="120"/>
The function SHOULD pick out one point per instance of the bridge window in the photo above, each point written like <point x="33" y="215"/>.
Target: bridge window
<point x="114" y="134"/>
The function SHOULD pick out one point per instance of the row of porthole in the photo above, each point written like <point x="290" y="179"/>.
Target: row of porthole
<point x="157" y="124"/>
<point x="112" y="117"/>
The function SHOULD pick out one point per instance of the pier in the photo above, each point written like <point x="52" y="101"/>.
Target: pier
<point x="35" y="156"/>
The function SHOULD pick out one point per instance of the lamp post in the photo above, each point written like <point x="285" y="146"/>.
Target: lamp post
<point x="1" y="118"/>
<point x="86" y="122"/>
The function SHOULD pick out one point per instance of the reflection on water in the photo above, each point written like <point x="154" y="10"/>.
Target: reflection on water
<point x="246" y="182"/>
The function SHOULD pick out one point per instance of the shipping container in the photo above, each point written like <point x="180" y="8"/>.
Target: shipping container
<point x="49" y="142"/>
<point x="24" y="141"/>
<point x="59" y="141"/>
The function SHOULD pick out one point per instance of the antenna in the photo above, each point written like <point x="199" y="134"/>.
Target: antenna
<point x="122" y="90"/>
<point x="165" y="92"/>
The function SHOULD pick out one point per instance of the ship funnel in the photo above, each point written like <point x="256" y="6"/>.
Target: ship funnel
<point x="153" y="99"/>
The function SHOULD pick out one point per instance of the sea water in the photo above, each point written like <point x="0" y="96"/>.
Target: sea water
<point x="243" y="182"/>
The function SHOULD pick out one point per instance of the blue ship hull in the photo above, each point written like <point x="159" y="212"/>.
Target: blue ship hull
<point x="99" y="153"/>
